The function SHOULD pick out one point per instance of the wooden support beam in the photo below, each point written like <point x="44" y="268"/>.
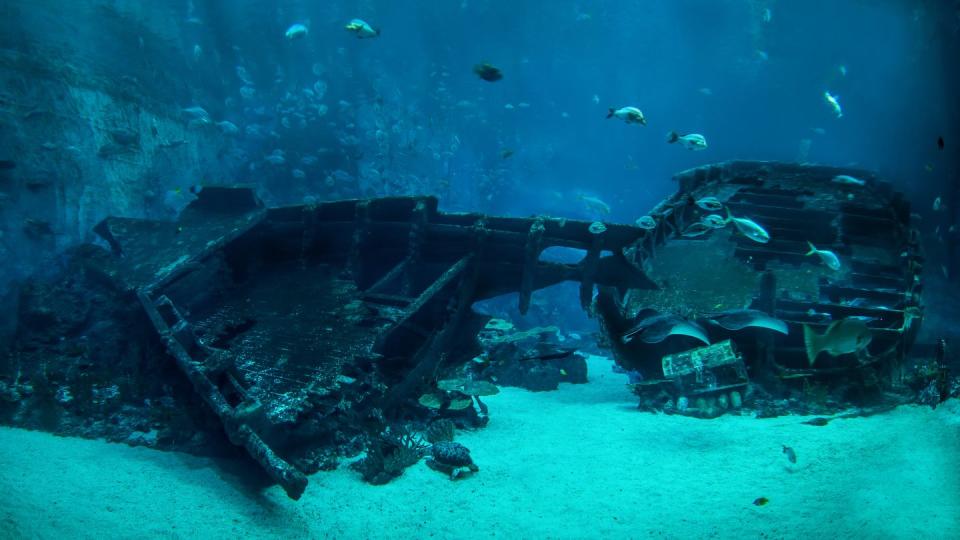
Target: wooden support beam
<point x="434" y="348"/>
<point x="589" y="272"/>
<point x="423" y="309"/>
<point x="530" y="262"/>
<point x="361" y="223"/>
<point x="290" y="479"/>
<point x="417" y="236"/>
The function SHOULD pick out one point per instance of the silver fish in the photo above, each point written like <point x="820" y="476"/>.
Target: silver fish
<point x="197" y="113"/>
<point x="710" y="204"/>
<point x="749" y="228"/>
<point x="828" y="257"/>
<point x="647" y="222"/>
<point x="696" y="229"/>
<point x="693" y="141"/>
<point x="714" y="221"/>
<point x="630" y="115"/>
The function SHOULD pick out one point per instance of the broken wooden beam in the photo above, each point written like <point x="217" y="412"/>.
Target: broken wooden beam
<point x="290" y="479"/>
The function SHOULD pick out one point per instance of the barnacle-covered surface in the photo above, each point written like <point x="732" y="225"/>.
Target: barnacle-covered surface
<point x="151" y="250"/>
<point x="304" y="329"/>
<point x="296" y="325"/>
<point x="290" y="331"/>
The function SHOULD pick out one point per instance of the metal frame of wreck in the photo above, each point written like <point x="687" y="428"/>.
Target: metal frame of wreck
<point x="673" y="214"/>
<point x="387" y="246"/>
<point x="403" y="252"/>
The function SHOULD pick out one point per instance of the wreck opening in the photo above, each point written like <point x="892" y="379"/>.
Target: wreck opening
<point x="562" y="254"/>
<point x="554" y="305"/>
<point x="767" y="294"/>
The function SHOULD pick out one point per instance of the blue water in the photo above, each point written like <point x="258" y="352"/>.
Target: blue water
<point x="220" y="92"/>
<point x="749" y="76"/>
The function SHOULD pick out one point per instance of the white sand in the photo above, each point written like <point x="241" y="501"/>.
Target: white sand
<point x="578" y="463"/>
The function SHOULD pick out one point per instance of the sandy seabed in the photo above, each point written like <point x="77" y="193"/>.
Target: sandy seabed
<point x="580" y="463"/>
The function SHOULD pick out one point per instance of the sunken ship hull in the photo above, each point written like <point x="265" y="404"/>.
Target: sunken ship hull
<point x="303" y="332"/>
<point x="704" y="275"/>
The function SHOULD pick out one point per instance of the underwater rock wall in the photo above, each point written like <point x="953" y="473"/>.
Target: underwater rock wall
<point x="84" y="365"/>
<point x="89" y="127"/>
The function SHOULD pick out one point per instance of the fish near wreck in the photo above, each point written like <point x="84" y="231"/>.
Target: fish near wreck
<point x="828" y="257"/>
<point x="738" y="319"/>
<point x="696" y="229"/>
<point x="714" y="221"/>
<point x="654" y="328"/>
<point x="846" y="336"/>
<point x="594" y="204"/>
<point x="647" y="222"/>
<point x="749" y="228"/>
<point x="710" y="204"/>
<point x="847" y="180"/>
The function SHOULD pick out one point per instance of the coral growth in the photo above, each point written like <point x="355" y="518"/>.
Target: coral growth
<point x="442" y="430"/>
<point x="389" y="454"/>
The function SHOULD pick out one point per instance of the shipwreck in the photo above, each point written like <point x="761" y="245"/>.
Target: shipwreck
<point x="306" y="328"/>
